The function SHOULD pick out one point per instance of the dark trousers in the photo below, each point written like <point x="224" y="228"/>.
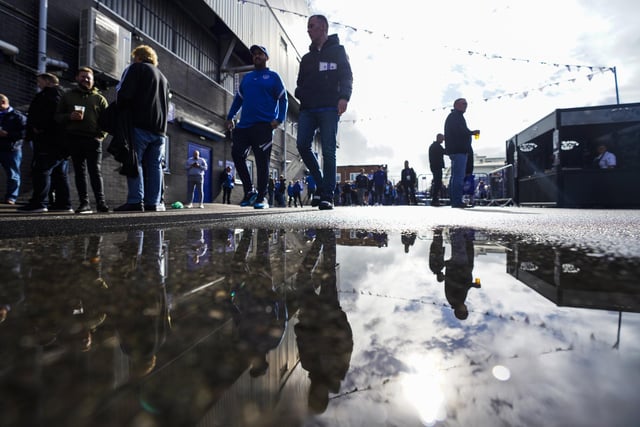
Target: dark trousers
<point x="258" y="138"/>
<point x="86" y="155"/>
<point x="50" y="171"/>
<point x="436" y="188"/>
<point x="226" y="195"/>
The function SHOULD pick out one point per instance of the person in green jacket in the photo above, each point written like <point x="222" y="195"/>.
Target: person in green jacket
<point x="78" y="112"/>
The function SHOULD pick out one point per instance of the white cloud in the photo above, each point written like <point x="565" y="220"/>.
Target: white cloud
<point x="411" y="60"/>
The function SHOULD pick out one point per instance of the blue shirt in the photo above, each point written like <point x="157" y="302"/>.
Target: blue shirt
<point x="262" y="97"/>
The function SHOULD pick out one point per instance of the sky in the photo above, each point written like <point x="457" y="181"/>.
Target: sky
<point x="514" y="61"/>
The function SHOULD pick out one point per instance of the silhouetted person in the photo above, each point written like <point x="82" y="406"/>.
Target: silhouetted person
<point x="436" y="255"/>
<point x="323" y="333"/>
<point x="459" y="271"/>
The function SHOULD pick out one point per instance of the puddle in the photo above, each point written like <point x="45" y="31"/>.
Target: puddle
<point x="231" y="327"/>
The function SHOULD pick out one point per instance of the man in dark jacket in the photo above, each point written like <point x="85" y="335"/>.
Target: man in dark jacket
<point x="457" y="141"/>
<point x="50" y="164"/>
<point x="12" y="127"/>
<point x="324" y="88"/>
<point x="436" y="164"/>
<point x="143" y="94"/>
<point x="409" y="181"/>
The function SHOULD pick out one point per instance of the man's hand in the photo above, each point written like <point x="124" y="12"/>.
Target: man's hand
<point x="342" y="106"/>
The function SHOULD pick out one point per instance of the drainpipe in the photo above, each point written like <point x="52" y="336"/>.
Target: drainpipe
<point x="43" y="61"/>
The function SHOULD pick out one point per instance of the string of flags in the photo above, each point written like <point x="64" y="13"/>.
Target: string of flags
<point x="593" y="69"/>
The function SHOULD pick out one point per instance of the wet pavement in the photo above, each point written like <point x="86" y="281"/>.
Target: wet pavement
<point x="380" y="316"/>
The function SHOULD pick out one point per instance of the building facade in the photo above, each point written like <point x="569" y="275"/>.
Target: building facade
<point x="203" y="50"/>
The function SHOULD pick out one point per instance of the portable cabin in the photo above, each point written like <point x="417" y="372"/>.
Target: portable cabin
<point x="553" y="160"/>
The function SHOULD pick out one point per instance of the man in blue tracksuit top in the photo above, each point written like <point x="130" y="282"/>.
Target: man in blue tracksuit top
<point x="324" y="88"/>
<point x="263" y="99"/>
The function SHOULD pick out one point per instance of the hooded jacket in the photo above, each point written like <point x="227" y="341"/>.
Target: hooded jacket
<point x="324" y="77"/>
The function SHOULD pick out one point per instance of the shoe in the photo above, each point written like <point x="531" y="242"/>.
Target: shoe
<point x="10" y="202"/>
<point x="189" y="206"/>
<point x="129" y="207"/>
<point x="32" y="209"/>
<point x="84" y="208"/>
<point x="435" y="203"/>
<point x="325" y="205"/>
<point x="249" y="199"/>
<point x="103" y="208"/>
<point x="60" y="209"/>
<point x="201" y="205"/>
<point x="262" y="204"/>
<point x="315" y="201"/>
<point x="155" y="208"/>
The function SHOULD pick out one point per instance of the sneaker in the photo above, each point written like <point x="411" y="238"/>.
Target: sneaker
<point x="262" y="204"/>
<point x="129" y="207"/>
<point x="201" y="205"/>
<point x="155" y="208"/>
<point x="60" y="209"/>
<point x="249" y="199"/>
<point x="102" y="207"/>
<point x="189" y="206"/>
<point x="10" y="202"/>
<point x="325" y="205"/>
<point x="32" y="209"/>
<point x="315" y="201"/>
<point x="84" y="208"/>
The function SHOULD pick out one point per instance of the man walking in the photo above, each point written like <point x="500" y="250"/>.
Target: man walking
<point x="264" y="102"/>
<point x="379" y="181"/>
<point x="409" y="180"/>
<point x="436" y="164"/>
<point x="324" y="88"/>
<point x="143" y="94"/>
<point x="78" y="112"/>
<point x="457" y="141"/>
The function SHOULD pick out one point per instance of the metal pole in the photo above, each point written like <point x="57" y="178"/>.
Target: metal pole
<point x="615" y="78"/>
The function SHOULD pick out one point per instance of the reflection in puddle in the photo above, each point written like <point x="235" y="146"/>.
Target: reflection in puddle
<point x="208" y="327"/>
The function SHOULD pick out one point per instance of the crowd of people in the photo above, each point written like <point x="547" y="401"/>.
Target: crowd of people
<point x="71" y="126"/>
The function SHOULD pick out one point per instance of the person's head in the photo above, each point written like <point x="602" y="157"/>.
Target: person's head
<point x="461" y="312"/>
<point x="259" y="55"/>
<point x="84" y="77"/>
<point x="362" y="170"/>
<point x="406" y="163"/>
<point x="602" y="148"/>
<point x="46" y="80"/>
<point x="196" y="154"/>
<point x="460" y="104"/>
<point x="144" y="53"/>
<point x="318" y="29"/>
<point x="4" y="102"/>
<point x="228" y="168"/>
<point x="439" y="138"/>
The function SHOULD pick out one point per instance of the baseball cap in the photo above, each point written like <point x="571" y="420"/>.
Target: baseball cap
<point x="260" y="48"/>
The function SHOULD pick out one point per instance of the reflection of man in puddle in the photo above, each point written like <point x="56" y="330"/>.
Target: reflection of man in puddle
<point x="260" y="313"/>
<point x="323" y="333"/>
<point x="408" y="238"/>
<point x="459" y="271"/>
<point x="436" y="254"/>
<point x="141" y="315"/>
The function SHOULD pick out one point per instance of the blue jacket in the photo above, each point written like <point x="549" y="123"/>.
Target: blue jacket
<point x="263" y="98"/>
<point x="324" y="76"/>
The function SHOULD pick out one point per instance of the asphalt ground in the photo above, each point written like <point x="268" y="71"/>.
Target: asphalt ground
<point x="615" y="232"/>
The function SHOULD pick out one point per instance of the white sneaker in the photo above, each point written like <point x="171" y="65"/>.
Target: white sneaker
<point x="189" y="206"/>
<point x="201" y="205"/>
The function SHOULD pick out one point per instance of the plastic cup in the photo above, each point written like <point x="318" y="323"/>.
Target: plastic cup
<point x="476" y="136"/>
<point x="79" y="108"/>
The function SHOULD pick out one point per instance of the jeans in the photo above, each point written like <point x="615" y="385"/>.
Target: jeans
<point x="458" y="167"/>
<point x="147" y="186"/>
<point x="86" y="156"/>
<point x="196" y="182"/>
<point x="327" y="123"/>
<point x="436" y="189"/>
<point x="44" y="167"/>
<point x="10" y="161"/>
